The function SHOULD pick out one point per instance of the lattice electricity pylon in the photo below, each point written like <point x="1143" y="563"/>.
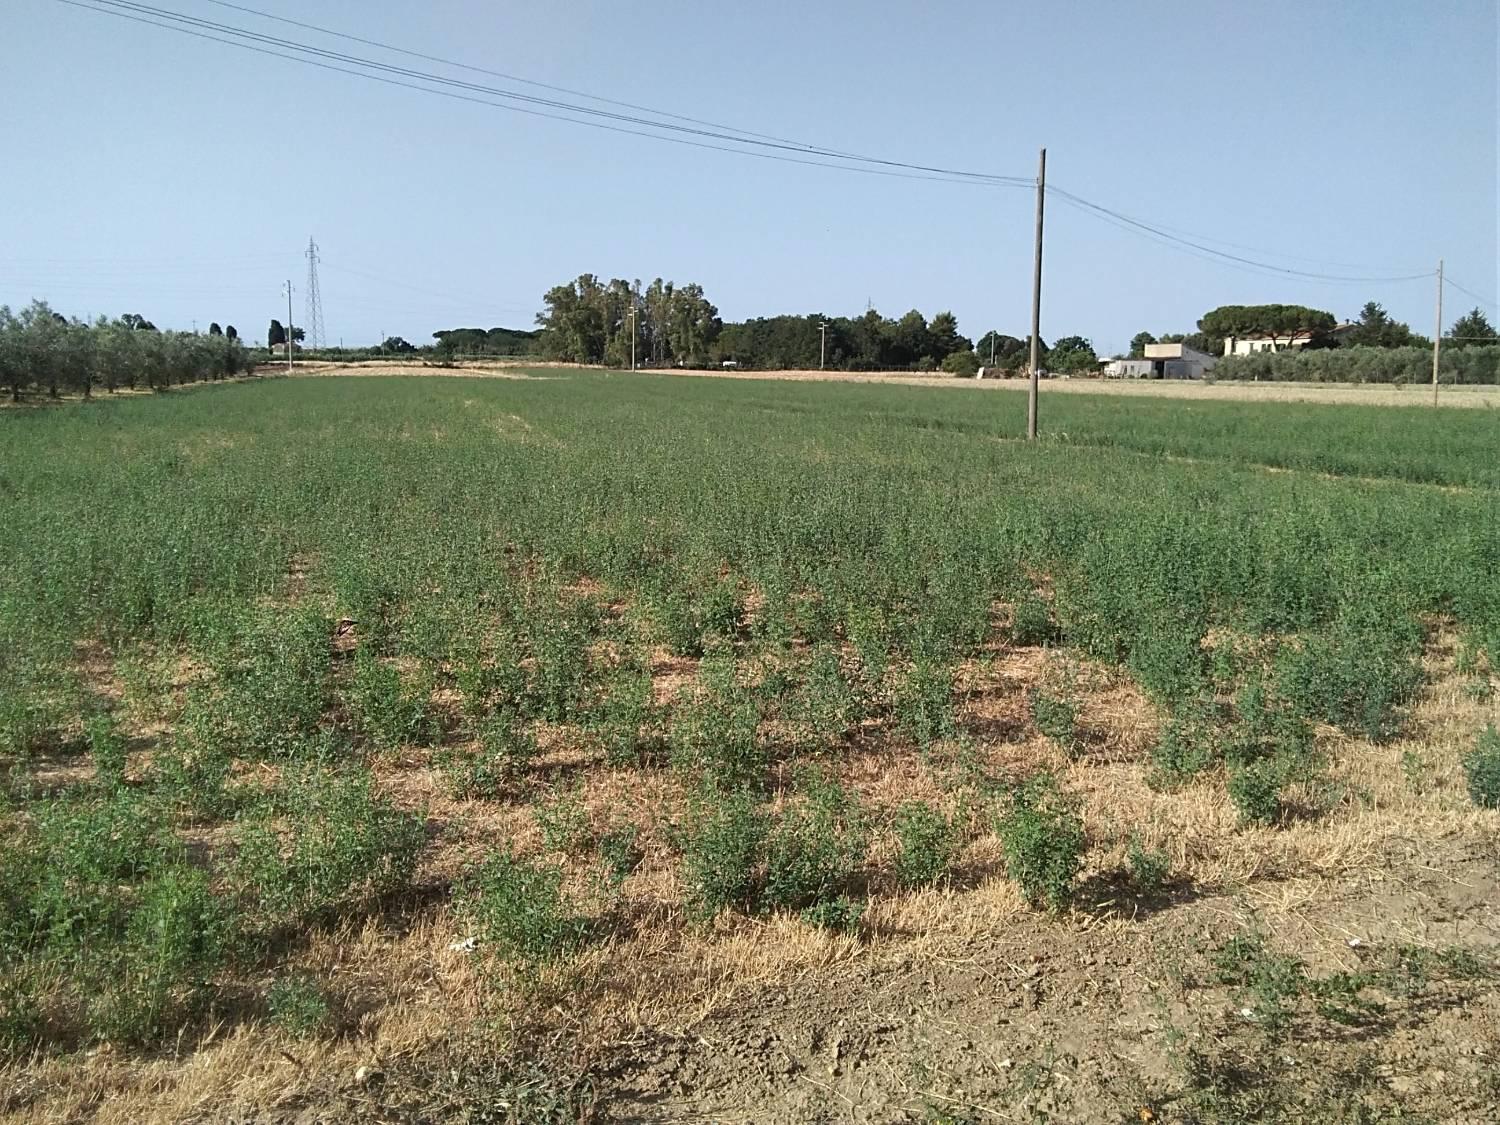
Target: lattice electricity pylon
<point x="313" y="321"/>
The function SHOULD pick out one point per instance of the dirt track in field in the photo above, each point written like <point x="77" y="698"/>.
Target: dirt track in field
<point x="1362" y="394"/>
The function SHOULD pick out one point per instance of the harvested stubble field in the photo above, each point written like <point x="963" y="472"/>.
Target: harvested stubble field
<point x="606" y="748"/>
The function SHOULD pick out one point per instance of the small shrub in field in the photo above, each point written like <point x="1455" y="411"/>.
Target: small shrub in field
<point x="824" y="704"/>
<point x="841" y="914"/>
<point x="560" y="637"/>
<point x="299" y="1006"/>
<point x="505" y="749"/>
<point x="272" y="685"/>
<point x="564" y="822"/>
<point x="923" y="702"/>
<point x="178" y="935"/>
<point x="335" y="841"/>
<point x="1267" y="979"/>
<point x="621" y="853"/>
<point x="192" y="765"/>
<point x="1482" y="769"/>
<point x="813" y="850"/>
<point x="1043" y="840"/>
<point x="625" y="714"/>
<point x="1149" y="869"/>
<point x="927" y="843"/>
<point x="388" y="712"/>
<point x="518" y="908"/>
<point x="1031" y="620"/>
<point x="1187" y="746"/>
<point x="107" y="747"/>
<point x="1056" y="716"/>
<point x="715" y="728"/>
<point x="720" y="854"/>
<point x="1357" y="678"/>
<point x="1255" y="788"/>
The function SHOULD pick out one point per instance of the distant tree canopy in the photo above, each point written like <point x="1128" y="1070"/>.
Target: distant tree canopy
<point x="869" y="342"/>
<point x="590" y="321"/>
<point x="1138" y="344"/>
<point x="1473" y="329"/>
<point x="1376" y="329"/>
<point x="1005" y="352"/>
<point x="214" y="329"/>
<point x="276" y="334"/>
<point x="486" y="341"/>
<point x="1288" y="322"/>
<point x="231" y="332"/>
<point x="1072" y="354"/>
<point x="395" y="345"/>
<point x="44" y="350"/>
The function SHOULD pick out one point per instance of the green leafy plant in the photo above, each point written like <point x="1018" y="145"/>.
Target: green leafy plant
<point x="387" y="711"/>
<point x="721" y="847"/>
<point x="1482" y="769"/>
<point x="927" y="841"/>
<point x="518" y="909"/>
<point x="813" y="849"/>
<point x="108" y="748"/>
<point x="1149" y="868"/>
<point x="1056" y="716"/>
<point x="299" y="1006"/>
<point x="923" y="702"/>
<point x="327" y="842"/>
<point x="1043" y="840"/>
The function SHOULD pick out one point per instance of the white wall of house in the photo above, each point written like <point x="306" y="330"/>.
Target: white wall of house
<point x="1249" y="345"/>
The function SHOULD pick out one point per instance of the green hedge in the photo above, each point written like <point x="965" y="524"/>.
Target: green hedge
<point x="1364" y="365"/>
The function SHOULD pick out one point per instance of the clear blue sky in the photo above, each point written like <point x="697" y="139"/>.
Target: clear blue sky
<point x="147" y="171"/>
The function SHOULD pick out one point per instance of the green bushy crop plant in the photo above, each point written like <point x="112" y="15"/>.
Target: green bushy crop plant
<point x="108" y="749"/>
<point x="625" y="717"/>
<point x="824" y="706"/>
<point x="927" y="842"/>
<point x="721" y="849"/>
<point x="1482" y="769"/>
<point x="1054" y="712"/>
<point x="923" y="701"/>
<point x="715" y="728"/>
<point x="1044" y="841"/>
<point x="327" y="842"/>
<point x="518" y="909"/>
<point x="813" y="849"/>
<point x="299" y="1006"/>
<point x="388" y="711"/>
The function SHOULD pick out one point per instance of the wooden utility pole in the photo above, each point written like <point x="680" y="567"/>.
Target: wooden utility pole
<point x="822" y="343"/>
<point x="1437" y="335"/>
<point x="1036" y="301"/>
<point x="289" y="324"/>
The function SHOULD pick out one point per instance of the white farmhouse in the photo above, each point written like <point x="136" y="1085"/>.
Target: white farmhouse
<point x="1162" y="361"/>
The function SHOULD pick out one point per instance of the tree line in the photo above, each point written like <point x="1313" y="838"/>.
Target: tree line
<point x="42" y="351"/>
<point x="591" y="321"/>
<point x="1308" y="329"/>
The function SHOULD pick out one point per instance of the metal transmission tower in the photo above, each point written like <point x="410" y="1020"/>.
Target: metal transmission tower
<point x="314" y="317"/>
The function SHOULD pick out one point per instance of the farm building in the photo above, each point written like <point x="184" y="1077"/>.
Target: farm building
<point x="1162" y="361"/>
<point x="1269" y="342"/>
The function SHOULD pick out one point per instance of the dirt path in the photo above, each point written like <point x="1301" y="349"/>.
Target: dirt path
<point x="1361" y="393"/>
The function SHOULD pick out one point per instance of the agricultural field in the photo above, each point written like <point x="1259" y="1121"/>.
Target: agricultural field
<point x="590" y="747"/>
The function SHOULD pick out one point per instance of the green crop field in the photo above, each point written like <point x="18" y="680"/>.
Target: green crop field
<point x="610" y="681"/>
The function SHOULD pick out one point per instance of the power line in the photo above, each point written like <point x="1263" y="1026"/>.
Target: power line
<point x="1139" y="225"/>
<point x="1487" y="302"/>
<point x="502" y="74"/>
<point x="601" y="119"/>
